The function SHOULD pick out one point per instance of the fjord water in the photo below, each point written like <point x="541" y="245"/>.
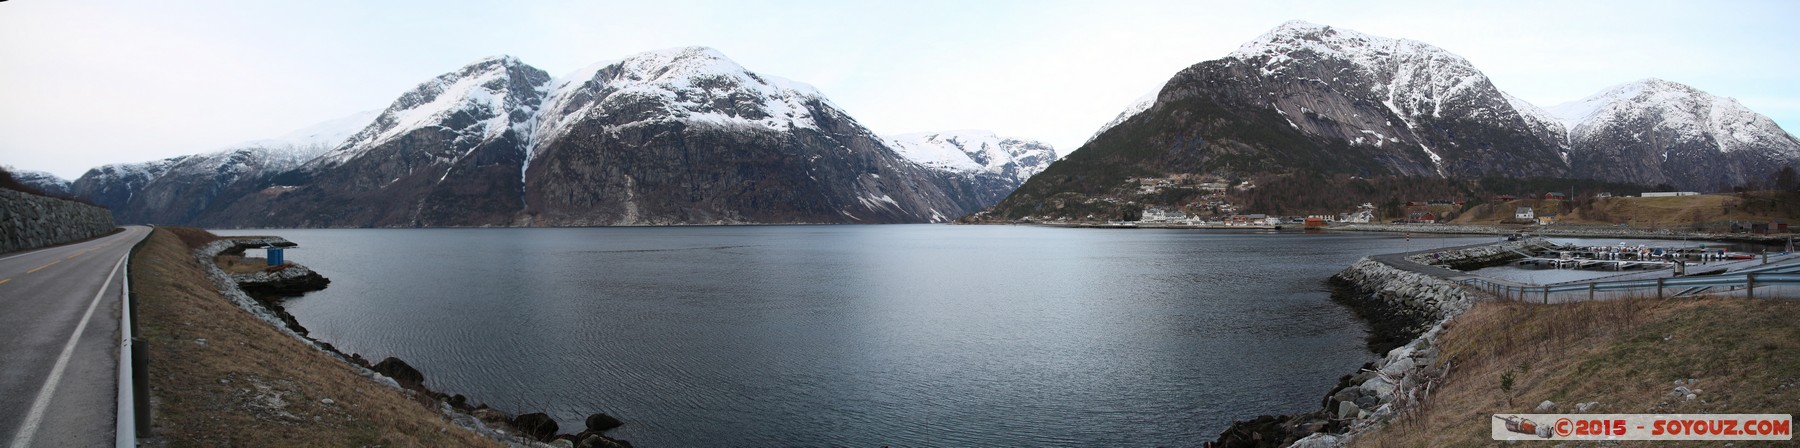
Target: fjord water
<point x="854" y="335"/>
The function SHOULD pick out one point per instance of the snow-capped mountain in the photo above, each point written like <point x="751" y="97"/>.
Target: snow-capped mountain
<point x="447" y="152"/>
<point x="991" y="165"/>
<point x="678" y="136"/>
<point x="1543" y="124"/>
<point x="303" y="145"/>
<point x="1659" y="132"/>
<point x="687" y="135"/>
<point x="182" y="188"/>
<point x="476" y="104"/>
<point x="43" y="181"/>
<point x="694" y="84"/>
<point x="1412" y="99"/>
<point x="1136" y="107"/>
<point x="114" y="186"/>
<point x="975" y="151"/>
<point x="1310" y="99"/>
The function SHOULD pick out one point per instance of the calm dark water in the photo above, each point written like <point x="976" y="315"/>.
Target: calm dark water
<point x="855" y="335"/>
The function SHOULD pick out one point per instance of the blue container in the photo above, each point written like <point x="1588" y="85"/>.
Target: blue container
<point x="274" y="256"/>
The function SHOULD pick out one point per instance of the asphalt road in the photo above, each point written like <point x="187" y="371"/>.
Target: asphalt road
<point x="59" y="342"/>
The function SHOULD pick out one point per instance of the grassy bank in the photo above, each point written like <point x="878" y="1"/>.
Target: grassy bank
<point x="1625" y="355"/>
<point x="221" y="377"/>
<point x="1707" y="212"/>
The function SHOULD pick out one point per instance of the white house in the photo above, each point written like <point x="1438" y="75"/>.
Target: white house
<point x="1156" y="214"/>
<point x="1525" y="214"/>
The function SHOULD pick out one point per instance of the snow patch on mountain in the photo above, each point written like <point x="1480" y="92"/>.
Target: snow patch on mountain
<point x="481" y="101"/>
<point x="1137" y="106"/>
<point x="1690" y="114"/>
<point x="303" y="145"/>
<point x="1413" y="79"/>
<point x="46" y="182"/>
<point x="693" y="84"/>
<point x="1532" y="113"/>
<point x="975" y="151"/>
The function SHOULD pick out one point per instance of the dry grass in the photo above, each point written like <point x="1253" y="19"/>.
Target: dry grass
<point x="192" y="237"/>
<point x="250" y="385"/>
<point x="1500" y="212"/>
<point x="238" y="264"/>
<point x="1664" y="212"/>
<point x="1624" y="354"/>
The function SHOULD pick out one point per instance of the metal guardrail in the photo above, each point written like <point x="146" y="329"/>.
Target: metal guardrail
<point x="1748" y="281"/>
<point x="134" y="366"/>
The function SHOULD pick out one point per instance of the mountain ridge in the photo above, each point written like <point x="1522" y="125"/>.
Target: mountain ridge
<point x="675" y="136"/>
<point x="1312" y="100"/>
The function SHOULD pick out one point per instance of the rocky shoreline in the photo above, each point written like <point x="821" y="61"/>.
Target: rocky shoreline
<point x="1571" y="232"/>
<point x="261" y="294"/>
<point x="1410" y="305"/>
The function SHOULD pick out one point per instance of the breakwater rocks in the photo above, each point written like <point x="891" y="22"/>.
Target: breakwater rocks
<point x="30" y="221"/>
<point x="1475" y="257"/>
<point x="286" y="280"/>
<point x="1407" y="299"/>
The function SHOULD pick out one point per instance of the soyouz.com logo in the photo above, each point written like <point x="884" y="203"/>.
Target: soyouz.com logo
<point x="1643" y="427"/>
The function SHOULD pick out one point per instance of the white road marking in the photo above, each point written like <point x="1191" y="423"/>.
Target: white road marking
<point x="28" y="428"/>
<point x="49" y="248"/>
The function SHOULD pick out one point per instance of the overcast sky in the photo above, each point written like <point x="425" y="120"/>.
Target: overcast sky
<point x="84" y="83"/>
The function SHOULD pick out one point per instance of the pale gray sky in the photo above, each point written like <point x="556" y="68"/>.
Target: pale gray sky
<point x="89" y="82"/>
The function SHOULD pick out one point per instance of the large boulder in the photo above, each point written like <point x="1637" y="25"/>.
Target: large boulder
<point x="602" y="422"/>
<point x="401" y="372"/>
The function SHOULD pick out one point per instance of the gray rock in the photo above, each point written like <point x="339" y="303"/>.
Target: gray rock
<point x="1588" y="406"/>
<point x="1399" y="367"/>
<point x="1681" y="390"/>
<point x="29" y="221"/>
<point x="1379" y="387"/>
<point x="400" y="371"/>
<point x="1347" y="409"/>
<point x="562" y="443"/>
<point x="1546" y="407"/>
<point x="327" y="401"/>
<point x="1320" y="440"/>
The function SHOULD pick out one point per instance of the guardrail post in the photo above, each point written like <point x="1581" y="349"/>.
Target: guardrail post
<point x="1590" y="292"/>
<point x="1546" y="295"/>
<point x="140" y="382"/>
<point x="1750" y="286"/>
<point x="1659" y="288"/>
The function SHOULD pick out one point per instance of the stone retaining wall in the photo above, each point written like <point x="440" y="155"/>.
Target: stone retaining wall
<point x="29" y="221"/>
